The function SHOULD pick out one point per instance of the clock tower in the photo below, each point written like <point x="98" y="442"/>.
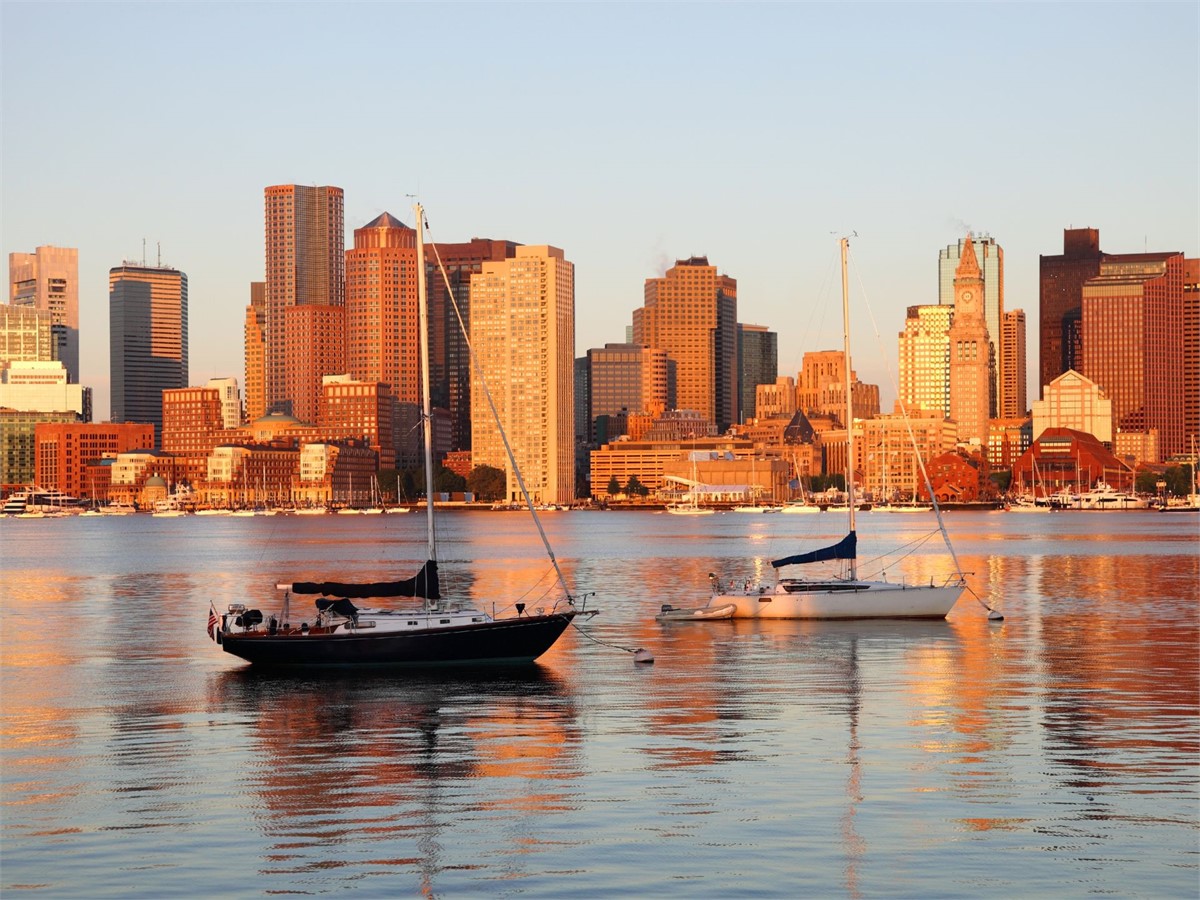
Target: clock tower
<point x="969" y="351"/>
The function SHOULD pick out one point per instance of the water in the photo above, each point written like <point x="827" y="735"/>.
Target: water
<point x="1054" y="754"/>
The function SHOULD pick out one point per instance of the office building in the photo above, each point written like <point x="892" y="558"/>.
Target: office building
<point x="523" y="328"/>
<point x="691" y="312"/>
<point x="821" y="388"/>
<point x="359" y="410"/>
<point x="1013" y="366"/>
<point x="25" y="335"/>
<point x="1075" y="402"/>
<point x="255" y="338"/>
<point x="626" y="378"/>
<point x="381" y="307"/>
<point x="65" y="449"/>
<point x="448" y="269"/>
<point x="193" y="420"/>
<point x="758" y="363"/>
<point x="48" y="279"/>
<point x="305" y="267"/>
<point x="148" y="340"/>
<point x="1060" y="300"/>
<point x="924" y="355"/>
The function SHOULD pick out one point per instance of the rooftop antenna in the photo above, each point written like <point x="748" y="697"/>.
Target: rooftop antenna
<point x="143" y="253"/>
<point x="159" y="245"/>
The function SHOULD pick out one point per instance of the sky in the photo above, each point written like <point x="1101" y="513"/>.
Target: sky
<point x="628" y="134"/>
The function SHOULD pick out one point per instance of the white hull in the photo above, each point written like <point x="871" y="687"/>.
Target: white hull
<point x="866" y="600"/>
<point x="689" y="511"/>
<point x="793" y="508"/>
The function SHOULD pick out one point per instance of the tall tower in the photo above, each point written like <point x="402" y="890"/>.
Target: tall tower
<point x="449" y="359"/>
<point x="691" y="312"/>
<point x="969" y="351"/>
<point x="1060" y="302"/>
<point x="148" y="340"/>
<point x="990" y="258"/>
<point x="305" y="263"/>
<point x="758" y="363"/>
<point x="1013" y="365"/>
<point x="924" y="353"/>
<point x="255" y="336"/>
<point x="626" y="378"/>
<point x="523" y="327"/>
<point x="381" y="307"/>
<point x="48" y="279"/>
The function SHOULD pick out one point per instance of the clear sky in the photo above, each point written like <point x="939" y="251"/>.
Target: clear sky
<point x="628" y="134"/>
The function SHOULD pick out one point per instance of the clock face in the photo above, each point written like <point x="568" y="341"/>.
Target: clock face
<point x="967" y="295"/>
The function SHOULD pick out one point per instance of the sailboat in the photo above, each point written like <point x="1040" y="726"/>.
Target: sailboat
<point x="690" y="506"/>
<point x="846" y="596"/>
<point x="437" y="630"/>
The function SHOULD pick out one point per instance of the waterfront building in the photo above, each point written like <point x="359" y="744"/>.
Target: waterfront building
<point x="305" y="266"/>
<point x="334" y="473"/>
<point x="691" y="313"/>
<point x="255" y="339"/>
<point x="1066" y="459"/>
<point x="1191" y="354"/>
<point x="48" y="279"/>
<point x="971" y="369"/>
<point x="1014" y="370"/>
<point x="18" y="445"/>
<point x="247" y="476"/>
<point x="381" y="307"/>
<point x="821" y="387"/>
<point x="889" y="469"/>
<point x="449" y="295"/>
<point x="148" y="340"/>
<point x="924" y="358"/>
<point x="625" y="378"/>
<point x="65" y="450"/>
<point x="365" y="410"/>
<point x="192" y="420"/>
<point x="758" y="363"/>
<point x="1075" y="402"/>
<point x="777" y="399"/>
<point x="1007" y="440"/>
<point x="40" y="386"/>
<point x="1131" y="323"/>
<point x="989" y="302"/>
<point x="523" y="328"/>
<point x="25" y="335"/>
<point x="960" y="476"/>
<point x="231" y="400"/>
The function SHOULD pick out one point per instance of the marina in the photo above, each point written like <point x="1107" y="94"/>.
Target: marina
<point x="1052" y="754"/>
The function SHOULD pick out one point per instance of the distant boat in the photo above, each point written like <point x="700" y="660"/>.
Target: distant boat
<point x="435" y="631"/>
<point x="700" y="614"/>
<point x="846" y="596"/>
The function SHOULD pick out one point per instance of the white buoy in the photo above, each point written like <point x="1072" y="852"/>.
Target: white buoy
<point x="643" y="656"/>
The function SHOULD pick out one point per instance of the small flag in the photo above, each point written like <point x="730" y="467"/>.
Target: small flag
<point x="212" y="621"/>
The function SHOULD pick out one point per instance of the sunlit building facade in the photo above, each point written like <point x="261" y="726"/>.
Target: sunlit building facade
<point x="627" y="378"/>
<point x="971" y="369"/>
<point x="758" y="363"/>
<point x="255" y="339"/>
<point x="924" y="358"/>
<point x="48" y="279"/>
<point x="523" y="327"/>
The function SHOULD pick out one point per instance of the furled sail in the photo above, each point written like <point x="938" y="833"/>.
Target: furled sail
<point x="846" y="548"/>
<point x="424" y="584"/>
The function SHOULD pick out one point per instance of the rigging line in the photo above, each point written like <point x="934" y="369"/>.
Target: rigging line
<point x="937" y="509"/>
<point x="475" y="364"/>
<point x="596" y="640"/>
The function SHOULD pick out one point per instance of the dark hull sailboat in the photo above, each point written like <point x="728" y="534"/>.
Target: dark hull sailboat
<point x="432" y="631"/>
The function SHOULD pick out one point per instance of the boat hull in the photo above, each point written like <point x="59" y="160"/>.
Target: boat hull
<point x="701" y="614"/>
<point x="516" y="640"/>
<point x="865" y="601"/>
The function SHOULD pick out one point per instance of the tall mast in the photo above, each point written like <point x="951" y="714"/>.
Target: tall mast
<point x="845" y="244"/>
<point x="423" y="342"/>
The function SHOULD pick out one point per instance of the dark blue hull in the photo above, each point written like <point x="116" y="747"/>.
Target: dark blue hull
<point x="517" y="640"/>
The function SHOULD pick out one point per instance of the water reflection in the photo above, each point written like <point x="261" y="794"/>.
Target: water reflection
<point x="373" y="773"/>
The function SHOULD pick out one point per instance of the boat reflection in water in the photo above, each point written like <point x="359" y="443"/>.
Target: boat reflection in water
<point x="374" y="773"/>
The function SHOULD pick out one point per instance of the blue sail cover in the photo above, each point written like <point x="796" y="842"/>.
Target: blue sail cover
<point x="846" y="548"/>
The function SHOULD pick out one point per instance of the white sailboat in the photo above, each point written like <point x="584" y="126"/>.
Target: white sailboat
<point x="433" y="630"/>
<point x="845" y="596"/>
<point x="690" y="505"/>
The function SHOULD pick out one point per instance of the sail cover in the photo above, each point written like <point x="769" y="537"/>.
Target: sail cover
<point x="846" y="548"/>
<point x="424" y="584"/>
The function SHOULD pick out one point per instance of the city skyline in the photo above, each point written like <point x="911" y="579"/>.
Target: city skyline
<point x="615" y="139"/>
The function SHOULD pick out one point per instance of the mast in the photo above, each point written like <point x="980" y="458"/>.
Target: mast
<point x="423" y="343"/>
<point x="845" y="244"/>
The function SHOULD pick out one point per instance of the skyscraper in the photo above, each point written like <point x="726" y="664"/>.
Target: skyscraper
<point x="48" y="279"/>
<point x="255" y="337"/>
<point x="626" y="378"/>
<point x="449" y="360"/>
<point x="523" y="327"/>
<point x="758" y="363"/>
<point x="148" y="340"/>
<point x="1060" y="301"/>
<point x="691" y="312"/>
<point x="381" y="307"/>
<point x="924" y="353"/>
<point x="989" y="257"/>
<point x="305" y="266"/>
<point x="970" y="352"/>
<point x="1013" y="365"/>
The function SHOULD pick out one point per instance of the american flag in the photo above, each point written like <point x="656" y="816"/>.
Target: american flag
<point x="212" y="621"/>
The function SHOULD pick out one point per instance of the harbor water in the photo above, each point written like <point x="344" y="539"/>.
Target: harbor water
<point x="1055" y="753"/>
